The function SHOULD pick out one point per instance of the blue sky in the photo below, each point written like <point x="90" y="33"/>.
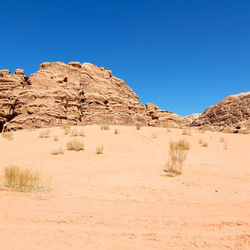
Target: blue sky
<point x="183" y="55"/>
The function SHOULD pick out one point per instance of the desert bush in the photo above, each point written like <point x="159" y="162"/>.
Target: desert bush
<point x="55" y="138"/>
<point x="243" y="131"/>
<point x="116" y="131"/>
<point x="138" y="126"/>
<point x="44" y="133"/>
<point x="154" y="135"/>
<point x="204" y="144"/>
<point x="99" y="149"/>
<point x="75" y="145"/>
<point x="222" y="139"/>
<point x="58" y="151"/>
<point x="66" y="128"/>
<point x="227" y="130"/>
<point x="73" y="132"/>
<point x="22" y="179"/>
<point x="186" y="132"/>
<point x="177" y="156"/>
<point x="7" y="135"/>
<point x="81" y="133"/>
<point x="105" y="127"/>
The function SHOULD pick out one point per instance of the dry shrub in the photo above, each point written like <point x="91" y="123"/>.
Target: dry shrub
<point x="81" y="133"/>
<point x="227" y="130"/>
<point x="138" y="126"/>
<point x="105" y="127"/>
<point x="75" y="132"/>
<point x="55" y="138"/>
<point x="99" y="149"/>
<point x="243" y="131"/>
<point x="66" y="128"/>
<point x="222" y="139"/>
<point x="203" y="143"/>
<point x="75" y="145"/>
<point x="154" y="135"/>
<point x="186" y="132"/>
<point x="7" y="135"/>
<point x="44" y="133"/>
<point x="23" y="180"/>
<point x="58" y="151"/>
<point x="117" y="132"/>
<point x="177" y="156"/>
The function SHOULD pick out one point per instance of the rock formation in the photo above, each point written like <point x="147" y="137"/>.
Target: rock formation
<point x="72" y="93"/>
<point x="164" y="118"/>
<point x="233" y="111"/>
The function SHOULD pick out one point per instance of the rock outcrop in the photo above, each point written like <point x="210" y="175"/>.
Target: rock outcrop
<point x="233" y="111"/>
<point x="190" y="118"/>
<point x="164" y="118"/>
<point x="72" y="93"/>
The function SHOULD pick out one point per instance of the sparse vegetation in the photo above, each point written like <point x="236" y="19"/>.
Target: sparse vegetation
<point x="177" y="156"/>
<point x="23" y="180"/>
<point x="227" y="130"/>
<point x="75" y="145"/>
<point x="154" y="135"/>
<point x="222" y="139"/>
<point x="243" y="131"/>
<point x="116" y="131"/>
<point x="204" y="144"/>
<point x="105" y="127"/>
<point x="44" y="133"/>
<point x="7" y="135"/>
<point x="58" y="151"/>
<point x="99" y="149"/>
<point x="55" y="138"/>
<point x="66" y="128"/>
<point x="138" y="126"/>
<point x="186" y="132"/>
<point x="73" y="132"/>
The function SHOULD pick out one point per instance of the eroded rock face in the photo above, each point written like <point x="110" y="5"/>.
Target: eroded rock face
<point x="73" y="93"/>
<point x="233" y="111"/>
<point x="164" y="118"/>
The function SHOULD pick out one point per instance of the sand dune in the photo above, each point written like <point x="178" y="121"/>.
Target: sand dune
<point x="121" y="199"/>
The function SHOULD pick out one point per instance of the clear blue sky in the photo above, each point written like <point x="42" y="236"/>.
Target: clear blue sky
<point x="183" y="55"/>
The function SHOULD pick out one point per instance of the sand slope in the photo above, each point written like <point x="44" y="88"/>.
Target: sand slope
<point x="121" y="199"/>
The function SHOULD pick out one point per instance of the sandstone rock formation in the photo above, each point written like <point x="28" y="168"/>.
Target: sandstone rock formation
<point x="164" y="118"/>
<point x="190" y="118"/>
<point x="72" y="93"/>
<point x="233" y="111"/>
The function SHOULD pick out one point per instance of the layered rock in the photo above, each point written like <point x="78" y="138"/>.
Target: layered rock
<point x="233" y="111"/>
<point x="190" y="118"/>
<point x="73" y="93"/>
<point x="164" y="118"/>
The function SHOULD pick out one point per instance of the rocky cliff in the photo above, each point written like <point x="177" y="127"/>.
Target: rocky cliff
<point x="72" y="93"/>
<point x="233" y="111"/>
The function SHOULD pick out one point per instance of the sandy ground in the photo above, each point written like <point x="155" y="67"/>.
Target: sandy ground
<point x="121" y="199"/>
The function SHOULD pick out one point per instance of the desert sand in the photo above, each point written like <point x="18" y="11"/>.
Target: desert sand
<point x="122" y="199"/>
